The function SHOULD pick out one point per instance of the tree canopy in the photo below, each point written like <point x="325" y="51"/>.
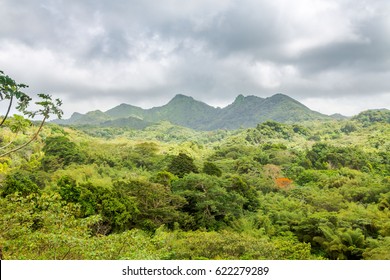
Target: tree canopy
<point x="313" y="190"/>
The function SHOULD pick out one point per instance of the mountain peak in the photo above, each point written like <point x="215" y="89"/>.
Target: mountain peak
<point x="95" y="112"/>
<point x="250" y="99"/>
<point x="182" y="97"/>
<point x="239" y="98"/>
<point x="124" y="111"/>
<point x="281" y="96"/>
<point x="338" y="116"/>
<point x="76" y="115"/>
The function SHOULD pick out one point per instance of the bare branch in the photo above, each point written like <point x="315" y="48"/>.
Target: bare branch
<point x="28" y="142"/>
<point x="14" y="138"/>
<point x="8" y="110"/>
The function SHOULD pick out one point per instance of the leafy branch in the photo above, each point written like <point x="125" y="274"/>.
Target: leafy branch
<point x="10" y="90"/>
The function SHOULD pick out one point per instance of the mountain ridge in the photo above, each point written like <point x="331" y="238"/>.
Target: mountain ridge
<point x="245" y="111"/>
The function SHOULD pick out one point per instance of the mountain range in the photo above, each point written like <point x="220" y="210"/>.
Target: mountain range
<point x="245" y="111"/>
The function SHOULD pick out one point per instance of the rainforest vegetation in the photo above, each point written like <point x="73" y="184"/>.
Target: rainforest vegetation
<point x="313" y="190"/>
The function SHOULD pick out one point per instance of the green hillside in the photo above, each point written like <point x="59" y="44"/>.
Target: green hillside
<point x="186" y="111"/>
<point x="373" y="116"/>
<point x="129" y="122"/>
<point x="251" y="110"/>
<point x="92" y="118"/>
<point x="125" y="111"/>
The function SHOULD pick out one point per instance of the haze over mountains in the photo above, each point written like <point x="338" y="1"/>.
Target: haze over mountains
<point x="245" y="111"/>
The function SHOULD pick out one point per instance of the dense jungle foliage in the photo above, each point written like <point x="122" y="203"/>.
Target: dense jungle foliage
<point x="314" y="190"/>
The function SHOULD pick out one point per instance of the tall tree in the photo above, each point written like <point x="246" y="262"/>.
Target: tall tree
<point x="182" y="164"/>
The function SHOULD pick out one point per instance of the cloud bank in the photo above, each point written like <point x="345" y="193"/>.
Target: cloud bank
<point x="330" y="55"/>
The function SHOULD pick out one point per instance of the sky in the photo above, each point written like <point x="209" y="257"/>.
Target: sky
<point x="331" y="55"/>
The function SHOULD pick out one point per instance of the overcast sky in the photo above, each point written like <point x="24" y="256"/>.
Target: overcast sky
<point x="331" y="55"/>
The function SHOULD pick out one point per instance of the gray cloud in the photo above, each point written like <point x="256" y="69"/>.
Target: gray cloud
<point x="96" y="54"/>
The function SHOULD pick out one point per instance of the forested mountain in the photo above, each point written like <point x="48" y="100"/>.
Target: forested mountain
<point x="185" y="111"/>
<point x="373" y="116"/>
<point x="125" y="111"/>
<point x="250" y="110"/>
